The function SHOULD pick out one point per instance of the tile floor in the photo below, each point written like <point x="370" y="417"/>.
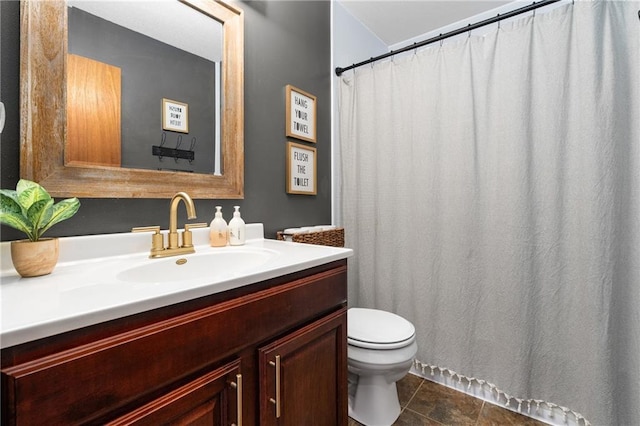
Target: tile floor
<point x="425" y="403"/>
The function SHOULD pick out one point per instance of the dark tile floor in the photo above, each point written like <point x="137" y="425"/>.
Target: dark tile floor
<point x="425" y="403"/>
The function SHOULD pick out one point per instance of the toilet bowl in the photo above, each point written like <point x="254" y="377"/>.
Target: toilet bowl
<point x="380" y="351"/>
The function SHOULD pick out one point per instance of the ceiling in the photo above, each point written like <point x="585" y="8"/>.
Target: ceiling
<point x="397" y="21"/>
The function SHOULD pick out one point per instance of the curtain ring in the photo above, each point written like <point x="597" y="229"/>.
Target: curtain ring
<point x="469" y="30"/>
<point x="499" y="20"/>
<point x="441" y="40"/>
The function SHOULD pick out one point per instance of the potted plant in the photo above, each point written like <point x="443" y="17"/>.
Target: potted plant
<point x="31" y="209"/>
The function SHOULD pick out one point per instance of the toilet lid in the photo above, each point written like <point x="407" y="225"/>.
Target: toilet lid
<point x="373" y="328"/>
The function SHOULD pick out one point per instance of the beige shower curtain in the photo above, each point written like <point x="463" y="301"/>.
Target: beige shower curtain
<point x="491" y="191"/>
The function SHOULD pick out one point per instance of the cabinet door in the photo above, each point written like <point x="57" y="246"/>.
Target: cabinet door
<point x="303" y="376"/>
<point x="214" y="398"/>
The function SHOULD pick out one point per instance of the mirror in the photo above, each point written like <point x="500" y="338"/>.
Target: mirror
<point x="126" y="59"/>
<point x="44" y="127"/>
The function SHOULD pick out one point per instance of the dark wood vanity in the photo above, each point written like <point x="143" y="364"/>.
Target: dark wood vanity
<point x="270" y="353"/>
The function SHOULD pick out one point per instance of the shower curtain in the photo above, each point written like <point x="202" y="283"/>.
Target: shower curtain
<point x="491" y="192"/>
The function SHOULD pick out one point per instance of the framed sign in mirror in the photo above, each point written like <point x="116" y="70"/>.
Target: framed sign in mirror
<point x="175" y="116"/>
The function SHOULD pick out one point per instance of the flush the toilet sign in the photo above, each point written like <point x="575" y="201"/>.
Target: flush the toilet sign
<point x="301" y="169"/>
<point x="301" y="114"/>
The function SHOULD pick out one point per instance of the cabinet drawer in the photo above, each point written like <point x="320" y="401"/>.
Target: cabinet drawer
<point x="93" y="382"/>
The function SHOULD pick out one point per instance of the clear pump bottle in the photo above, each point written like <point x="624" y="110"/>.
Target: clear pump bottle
<point x="218" y="232"/>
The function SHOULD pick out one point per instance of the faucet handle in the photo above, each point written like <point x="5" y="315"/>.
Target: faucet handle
<point x="157" y="239"/>
<point x="187" y="237"/>
<point x="188" y="226"/>
<point x="146" y="229"/>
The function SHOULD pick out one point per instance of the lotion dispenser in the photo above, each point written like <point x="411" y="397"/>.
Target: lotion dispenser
<point x="218" y="230"/>
<point x="236" y="228"/>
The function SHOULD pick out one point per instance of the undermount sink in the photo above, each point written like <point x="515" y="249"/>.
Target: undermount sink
<point x="197" y="266"/>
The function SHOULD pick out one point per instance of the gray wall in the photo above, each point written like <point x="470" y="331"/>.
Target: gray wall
<point x="285" y="43"/>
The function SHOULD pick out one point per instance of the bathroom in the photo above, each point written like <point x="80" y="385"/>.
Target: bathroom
<point x="285" y="43"/>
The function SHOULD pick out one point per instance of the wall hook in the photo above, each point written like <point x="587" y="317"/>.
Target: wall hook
<point x="178" y="143"/>
<point x="193" y="145"/>
<point x="163" y="139"/>
<point x="161" y="151"/>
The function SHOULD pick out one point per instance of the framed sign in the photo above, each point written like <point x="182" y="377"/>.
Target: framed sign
<point x="301" y="169"/>
<point x="301" y="114"/>
<point x="175" y="116"/>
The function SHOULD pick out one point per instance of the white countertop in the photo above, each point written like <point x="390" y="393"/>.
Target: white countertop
<point x="84" y="289"/>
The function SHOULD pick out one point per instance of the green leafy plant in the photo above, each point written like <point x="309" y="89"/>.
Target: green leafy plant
<point x="31" y="209"/>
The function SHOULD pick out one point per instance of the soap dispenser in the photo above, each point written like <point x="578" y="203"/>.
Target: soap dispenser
<point x="236" y="228"/>
<point x="218" y="230"/>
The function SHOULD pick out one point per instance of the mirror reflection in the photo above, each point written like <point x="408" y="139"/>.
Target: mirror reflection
<point x="143" y="86"/>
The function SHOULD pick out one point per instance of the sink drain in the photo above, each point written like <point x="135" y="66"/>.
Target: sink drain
<point x="181" y="261"/>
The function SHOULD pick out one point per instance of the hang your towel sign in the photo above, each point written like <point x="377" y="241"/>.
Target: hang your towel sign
<point x="301" y="114"/>
<point x="301" y="169"/>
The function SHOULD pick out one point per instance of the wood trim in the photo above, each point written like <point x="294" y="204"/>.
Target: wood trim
<point x="43" y="128"/>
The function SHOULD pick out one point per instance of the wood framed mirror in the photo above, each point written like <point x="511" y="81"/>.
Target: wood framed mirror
<point x="43" y="105"/>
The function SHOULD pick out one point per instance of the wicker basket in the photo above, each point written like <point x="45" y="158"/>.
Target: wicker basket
<point x="332" y="237"/>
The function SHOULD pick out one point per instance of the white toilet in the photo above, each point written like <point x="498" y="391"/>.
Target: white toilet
<point x="381" y="347"/>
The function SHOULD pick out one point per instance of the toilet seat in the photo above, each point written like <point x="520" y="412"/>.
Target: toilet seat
<point x="376" y="329"/>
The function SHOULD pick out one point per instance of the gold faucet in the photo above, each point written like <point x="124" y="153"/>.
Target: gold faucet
<point x="174" y="248"/>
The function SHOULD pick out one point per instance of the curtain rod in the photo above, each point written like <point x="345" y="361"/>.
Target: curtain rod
<point x="440" y="37"/>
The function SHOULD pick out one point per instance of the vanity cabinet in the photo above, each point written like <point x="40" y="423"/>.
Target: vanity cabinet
<point x="300" y="375"/>
<point x="209" y="361"/>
